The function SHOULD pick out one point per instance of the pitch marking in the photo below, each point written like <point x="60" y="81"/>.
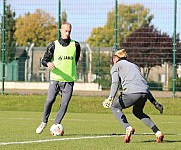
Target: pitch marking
<point x="52" y="140"/>
<point x="65" y="139"/>
<point x="167" y="122"/>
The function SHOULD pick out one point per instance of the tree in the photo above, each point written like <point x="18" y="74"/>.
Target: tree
<point x="178" y="49"/>
<point x="130" y="18"/>
<point x="38" y="28"/>
<point x="148" y="47"/>
<point x="101" y="67"/>
<point x="9" y="36"/>
<point x="64" y="16"/>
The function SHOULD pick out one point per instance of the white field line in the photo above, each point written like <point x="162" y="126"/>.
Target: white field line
<point x="60" y="139"/>
<point x="165" y="122"/>
<point x="66" y="139"/>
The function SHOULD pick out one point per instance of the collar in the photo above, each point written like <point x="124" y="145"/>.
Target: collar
<point x="64" y="42"/>
<point x="122" y="58"/>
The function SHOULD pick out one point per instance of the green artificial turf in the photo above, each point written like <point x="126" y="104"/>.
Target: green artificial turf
<point x="88" y="126"/>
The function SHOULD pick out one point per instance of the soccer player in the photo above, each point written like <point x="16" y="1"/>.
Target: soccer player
<point x="135" y="93"/>
<point x="61" y="58"/>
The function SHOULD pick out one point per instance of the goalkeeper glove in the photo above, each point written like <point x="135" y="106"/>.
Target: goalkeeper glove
<point x="158" y="106"/>
<point x="107" y="102"/>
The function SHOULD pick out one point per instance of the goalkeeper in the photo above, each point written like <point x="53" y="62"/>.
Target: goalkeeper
<point x="135" y="93"/>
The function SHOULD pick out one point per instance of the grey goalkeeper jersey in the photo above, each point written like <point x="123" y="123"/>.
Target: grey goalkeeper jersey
<point x="129" y="76"/>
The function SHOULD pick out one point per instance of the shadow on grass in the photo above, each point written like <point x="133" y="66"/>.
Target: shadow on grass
<point x="164" y="140"/>
<point x="122" y="135"/>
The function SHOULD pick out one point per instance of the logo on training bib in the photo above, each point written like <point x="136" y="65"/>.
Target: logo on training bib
<point x="65" y="58"/>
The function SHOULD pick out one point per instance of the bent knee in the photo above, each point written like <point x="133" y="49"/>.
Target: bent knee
<point x="115" y="108"/>
<point x="137" y="113"/>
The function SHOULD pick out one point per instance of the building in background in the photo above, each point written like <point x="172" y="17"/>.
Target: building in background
<point x="27" y="66"/>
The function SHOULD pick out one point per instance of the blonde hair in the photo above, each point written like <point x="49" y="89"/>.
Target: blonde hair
<point x="66" y="23"/>
<point x="121" y="53"/>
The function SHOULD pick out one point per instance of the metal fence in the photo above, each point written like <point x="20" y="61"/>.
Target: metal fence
<point x="149" y="31"/>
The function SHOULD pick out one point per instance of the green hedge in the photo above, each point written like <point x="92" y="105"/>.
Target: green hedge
<point x="155" y="86"/>
<point x="178" y="84"/>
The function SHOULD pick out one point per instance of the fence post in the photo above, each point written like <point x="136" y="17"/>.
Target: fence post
<point x="115" y="26"/>
<point x="59" y="17"/>
<point x="174" y="49"/>
<point x="3" y="42"/>
<point x="98" y="66"/>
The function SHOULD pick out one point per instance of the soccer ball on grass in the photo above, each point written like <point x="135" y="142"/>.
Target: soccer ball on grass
<point x="57" y="130"/>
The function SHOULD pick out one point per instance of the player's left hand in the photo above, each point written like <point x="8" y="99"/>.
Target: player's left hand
<point x="159" y="107"/>
<point x="107" y="102"/>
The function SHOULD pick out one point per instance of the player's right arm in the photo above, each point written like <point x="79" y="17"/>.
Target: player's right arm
<point x="48" y="54"/>
<point x="114" y="88"/>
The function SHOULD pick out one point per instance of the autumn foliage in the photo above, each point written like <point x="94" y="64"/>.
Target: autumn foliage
<point x="38" y="28"/>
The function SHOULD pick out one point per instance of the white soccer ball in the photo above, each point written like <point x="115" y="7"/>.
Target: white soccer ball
<point x="57" y="130"/>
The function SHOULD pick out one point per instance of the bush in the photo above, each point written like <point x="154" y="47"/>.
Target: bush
<point x="177" y="86"/>
<point x="155" y="86"/>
